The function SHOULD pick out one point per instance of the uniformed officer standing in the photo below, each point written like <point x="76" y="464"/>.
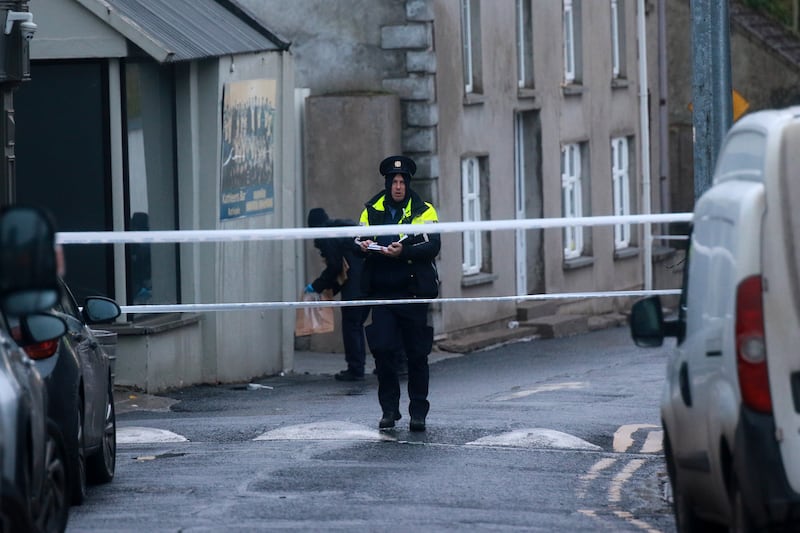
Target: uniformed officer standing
<point x="400" y="266"/>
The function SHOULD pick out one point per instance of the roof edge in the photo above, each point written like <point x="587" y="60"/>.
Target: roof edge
<point x="128" y="28"/>
<point x="253" y="21"/>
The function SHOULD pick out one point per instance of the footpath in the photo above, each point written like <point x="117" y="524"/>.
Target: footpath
<point x="540" y="321"/>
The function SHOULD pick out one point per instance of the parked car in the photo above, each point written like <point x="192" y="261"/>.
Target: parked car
<point x="33" y="482"/>
<point x="77" y="372"/>
<point x="730" y="407"/>
<point x="34" y="477"/>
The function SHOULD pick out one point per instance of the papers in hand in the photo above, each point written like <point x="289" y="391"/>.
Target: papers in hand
<point x="376" y="247"/>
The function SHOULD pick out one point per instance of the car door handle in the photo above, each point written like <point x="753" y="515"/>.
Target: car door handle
<point x="683" y="381"/>
<point x="714" y="347"/>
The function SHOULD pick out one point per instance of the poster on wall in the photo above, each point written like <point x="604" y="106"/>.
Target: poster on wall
<point x="248" y="118"/>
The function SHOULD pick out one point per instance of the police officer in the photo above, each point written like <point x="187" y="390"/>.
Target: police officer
<point x="400" y="266"/>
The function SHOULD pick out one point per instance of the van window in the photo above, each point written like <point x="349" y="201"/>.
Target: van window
<point x="742" y="157"/>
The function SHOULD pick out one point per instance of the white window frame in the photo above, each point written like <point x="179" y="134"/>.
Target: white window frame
<point x="620" y="179"/>
<point x="615" y="40"/>
<point x="569" y="42"/>
<point x="466" y="36"/>
<point x="572" y="198"/>
<point x="471" y="211"/>
<point x="524" y="44"/>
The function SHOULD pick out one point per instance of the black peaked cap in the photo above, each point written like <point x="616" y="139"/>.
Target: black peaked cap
<point x="398" y="164"/>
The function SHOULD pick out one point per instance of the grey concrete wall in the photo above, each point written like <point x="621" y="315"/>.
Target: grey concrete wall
<point x="336" y="44"/>
<point x="600" y="111"/>
<point x="347" y="138"/>
<point x="486" y="129"/>
<point x="160" y="361"/>
<point x="251" y="343"/>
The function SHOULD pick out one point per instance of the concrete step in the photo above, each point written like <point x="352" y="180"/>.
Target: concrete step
<point x="559" y="325"/>
<point x="545" y="327"/>
<point x="609" y="320"/>
<point x="483" y="339"/>
<point x="529" y="310"/>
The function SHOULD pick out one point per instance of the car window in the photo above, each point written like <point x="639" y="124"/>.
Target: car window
<point x="67" y="304"/>
<point x="742" y="157"/>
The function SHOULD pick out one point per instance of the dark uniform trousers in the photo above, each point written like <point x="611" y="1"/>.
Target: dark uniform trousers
<point x="406" y="324"/>
<point x="353" y="318"/>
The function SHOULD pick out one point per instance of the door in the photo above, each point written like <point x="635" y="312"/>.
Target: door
<point x="528" y="202"/>
<point x="63" y="161"/>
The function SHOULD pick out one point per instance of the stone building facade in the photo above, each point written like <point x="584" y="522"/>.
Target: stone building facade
<point x="484" y="97"/>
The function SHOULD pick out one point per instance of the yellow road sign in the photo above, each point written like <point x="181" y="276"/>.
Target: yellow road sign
<point x="739" y="104"/>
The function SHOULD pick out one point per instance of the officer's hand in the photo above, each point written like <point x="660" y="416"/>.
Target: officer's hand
<point x="309" y="289"/>
<point x="394" y="249"/>
<point x="364" y="244"/>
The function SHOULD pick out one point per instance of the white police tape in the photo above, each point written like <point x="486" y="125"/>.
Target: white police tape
<point x="284" y="234"/>
<point x="208" y="236"/>
<point x="199" y="308"/>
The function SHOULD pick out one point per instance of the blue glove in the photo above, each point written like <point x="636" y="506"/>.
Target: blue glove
<point x="309" y="288"/>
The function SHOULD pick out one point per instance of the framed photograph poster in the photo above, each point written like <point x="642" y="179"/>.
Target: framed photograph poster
<point x="248" y="118"/>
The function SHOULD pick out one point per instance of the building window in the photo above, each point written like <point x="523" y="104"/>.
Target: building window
<point x="152" y="271"/>
<point x="620" y="177"/>
<point x="471" y="40"/>
<point x="524" y="45"/>
<point x="618" y="38"/>
<point x="475" y="207"/>
<point x="572" y="41"/>
<point x="574" y="188"/>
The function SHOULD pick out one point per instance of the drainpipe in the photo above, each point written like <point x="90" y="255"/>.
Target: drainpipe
<point x="16" y="30"/>
<point x="645" y="145"/>
<point x="663" y="115"/>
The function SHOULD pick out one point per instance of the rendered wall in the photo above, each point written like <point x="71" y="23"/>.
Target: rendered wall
<point x="336" y="45"/>
<point x="347" y="138"/>
<point x="257" y="342"/>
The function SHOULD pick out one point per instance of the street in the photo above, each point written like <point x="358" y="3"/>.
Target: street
<point x="543" y="435"/>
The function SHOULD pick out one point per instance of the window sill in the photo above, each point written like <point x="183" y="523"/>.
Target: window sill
<point x="661" y="253"/>
<point x="619" y="83"/>
<point x="573" y="89"/>
<point x="583" y="261"/>
<point x="155" y="323"/>
<point x="527" y="93"/>
<point x="474" y="99"/>
<point x="626" y="253"/>
<point x="482" y="278"/>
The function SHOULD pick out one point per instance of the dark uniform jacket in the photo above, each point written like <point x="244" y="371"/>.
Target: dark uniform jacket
<point x="414" y="273"/>
<point x="332" y="250"/>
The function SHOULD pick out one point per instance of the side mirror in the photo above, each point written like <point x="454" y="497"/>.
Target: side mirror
<point x="41" y="327"/>
<point x="28" y="264"/>
<point x="100" y="310"/>
<point x="647" y="322"/>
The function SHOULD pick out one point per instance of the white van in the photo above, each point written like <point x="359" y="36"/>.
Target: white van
<point x="731" y="402"/>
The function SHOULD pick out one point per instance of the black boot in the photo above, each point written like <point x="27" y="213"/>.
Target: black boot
<point x="417" y="424"/>
<point x="388" y="419"/>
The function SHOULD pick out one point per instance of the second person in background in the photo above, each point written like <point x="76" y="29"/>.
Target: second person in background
<point x="343" y="266"/>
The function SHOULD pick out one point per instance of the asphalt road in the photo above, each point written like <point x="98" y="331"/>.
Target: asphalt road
<point x="545" y="435"/>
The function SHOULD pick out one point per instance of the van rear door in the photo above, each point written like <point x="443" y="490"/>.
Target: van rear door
<point x="781" y="293"/>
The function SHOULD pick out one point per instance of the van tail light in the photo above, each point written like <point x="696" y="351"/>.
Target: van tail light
<point x="751" y="348"/>
<point x="42" y="350"/>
